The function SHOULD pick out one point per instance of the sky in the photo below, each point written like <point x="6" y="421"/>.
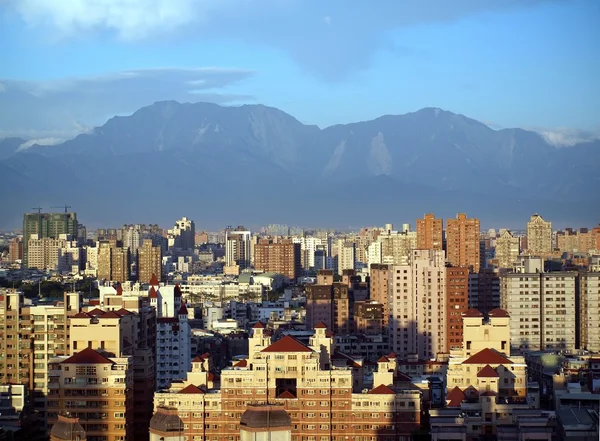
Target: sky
<point x="69" y="65"/>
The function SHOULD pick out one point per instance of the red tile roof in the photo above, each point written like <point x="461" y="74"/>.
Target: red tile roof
<point x="81" y="315"/>
<point x="198" y="359"/>
<point x="206" y="355"/>
<point x="241" y="364"/>
<point x="258" y="325"/>
<point x="286" y="394"/>
<point x="489" y="393"/>
<point x="119" y="289"/>
<point x="154" y="280"/>
<point x="487" y="356"/>
<point x="94" y="302"/>
<point x="152" y="294"/>
<point x="498" y="313"/>
<point x="109" y="314"/>
<point x="183" y="310"/>
<point x="95" y="312"/>
<point x="123" y="311"/>
<point x="88" y="356"/>
<point x="401" y="376"/>
<point x="329" y="334"/>
<point x="287" y="344"/>
<point x="191" y="389"/>
<point x="392" y="355"/>
<point x="487" y="372"/>
<point x="472" y="313"/>
<point x="455" y="397"/>
<point x="382" y="389"/>
<point x="320" y="325"/>
<point x="383" y="360"/>
<point x="177" y="290"/>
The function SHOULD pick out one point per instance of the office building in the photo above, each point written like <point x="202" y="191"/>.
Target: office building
<point x="281" y="257"/>
<point x="430" y="233"/>
<point x="47" y="225"/>
<point x="149" y="262"/>
<point x="539" y="236"/>
<point x="506" y="250"/>
<point x="463" y="242"/>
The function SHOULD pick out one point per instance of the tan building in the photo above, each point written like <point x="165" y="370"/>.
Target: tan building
<point x="96" y="389"/>
<point x="380" y="288"/>
<point x="44" y="253"/>
<point x="149" y="262"/>
<point x="368" y="318"/>
<point x="507" y="249"/>
<point x="539" y="236"/>
<point x="542" y="309"/>
<point x="281" y="257"/>
<point x="329" y="304"/>
<point x="457" y="302"/>
<point x="589" y="311"/>
<point x="462" y="242"/>
<point x="15" y="249"/>
<point x="430" y="233"/>
<point x="320" y="398"/>
<point x="113" y="262"/>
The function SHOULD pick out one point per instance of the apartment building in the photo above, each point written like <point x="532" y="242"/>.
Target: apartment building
<point x="237" y="248"/>
<point x="396" y="246"/>
<point x="182" y="235"/>
<point x="149" y="262"/>
<point x="430" y="233"/>
<point x="318" y="396"/>
<point x="457" y="295"/>
<point x="381" y="289"/>
<point x="463" y="242"/>
<point x="15" y="250"/>
<point x="96" y="389"/>
<point x="484" y="290"/>
<point x="329" y="304"/>
<point x="114" y="262"/>
<point x="506" y="250"/>
<point x="346" y="255"/>
<point x="589" y="311"/>
<point x="50" y="225"/>
<point x="282" y="257"/>
<point x="418" y="304"/>
<point x="542" y="309"/>
<point x="539" y="236"/>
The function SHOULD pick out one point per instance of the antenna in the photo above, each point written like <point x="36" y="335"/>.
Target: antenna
<point x="39" y="209"/>
<point x="66" y="207"/>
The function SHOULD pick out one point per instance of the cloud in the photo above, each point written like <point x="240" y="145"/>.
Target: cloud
<point x="567" y="137"/>
<point x="66" y="107"/>
<point x="40" y="141"/>
<point x="331" y="52"/>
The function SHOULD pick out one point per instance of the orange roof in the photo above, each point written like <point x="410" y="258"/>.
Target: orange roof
<point x="191" y="389"/>
<point x="487" y="372"/>
<point x="258" y="325"/>
<point x="154" y="280"/>
<point x="472" y="313"/>
<point x="152" y="293"/>
<point x="198" y="359"/>
<point x="88" y="356"/>
<point x="383" y="360"/>
<point x="95" y="311"/>
<point x="392" y="355"/>
<point x="487" y="356"/>
<point x="382" y="389"/>
<point x="329" y="334"/>
<point x="119" y="289"/>
<point x="498" y="313"/>
<point x="286" y="394"/>
<point x="455" y="397"/>
<point x="287" y="344"/>
<point x="241" y="364"/>
<point x="320" y="325"/>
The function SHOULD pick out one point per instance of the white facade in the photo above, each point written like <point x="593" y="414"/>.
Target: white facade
<point x="346" y="256"/>
<point x="183" y="234"/>
<point x="374" y="254"/>
<point x="237" y="249"/>
<point x="590" y="311"/>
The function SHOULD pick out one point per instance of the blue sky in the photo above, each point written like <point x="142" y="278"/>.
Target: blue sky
<point x="71" y="64"/>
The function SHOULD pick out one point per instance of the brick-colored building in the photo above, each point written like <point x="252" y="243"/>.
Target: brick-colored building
<point x="430" y="233"/>
<point x="457" y="302"/>
<point x="462" y="242"/>
<point x="283" y="257"/>
<point x="318" y="396"/>
<point x="330" y="304"/>
<point x="380" y="288"/>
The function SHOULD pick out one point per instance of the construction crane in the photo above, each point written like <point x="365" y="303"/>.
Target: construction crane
<point x="66" y="207"/>
<point x="39" y="209"/>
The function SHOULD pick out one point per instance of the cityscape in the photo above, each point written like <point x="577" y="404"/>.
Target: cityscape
<point x="431" y="330"/>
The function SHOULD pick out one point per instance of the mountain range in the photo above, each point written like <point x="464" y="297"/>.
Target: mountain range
<point x="255" y="164"/>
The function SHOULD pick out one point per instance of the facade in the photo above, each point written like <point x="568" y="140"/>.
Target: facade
<point x="149" y="262"/>
<point x="507" y="249"/>
<point x="589" y="311"/>
<point x="182" y="235"/>
<point x="346" y="256"/>
<point x="318" y="396"/>
<point x="542" y="309"/>
<point x="283" y="257"/>
<point x="539" y="236"/>
<point x="484" y="290"/>
<point x="395" y="247"/>
<point x="237" y="248"/>
<point x="380" y="288"/>
<point x="430" y="233"/>
<point x="50" y="225"/>
<point x="368" y="318"/>
<point x="114" y="262"/>
<point x="418" y="304"/>
<point x="462" y="242"/>
<point x="44" y="253"/>
<point x="96" y="389"/>
<point x="457" y="296"/>
<point x="331" y="305"/>
<point x="15" y="250"/>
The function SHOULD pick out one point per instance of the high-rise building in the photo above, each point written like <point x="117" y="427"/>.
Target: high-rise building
<point x="462" y="242"/>
<point x="113" y="262"/>
<point x="96" y="388"/>
<point x="237" y="248"/>
<point x="418" y="304"/>
<point x="50" y="225"/>
<point x="44" y="253"/>
<point x="430" y="233"/>
<point x="330" y="305"/>
<point x="183" y="234"/>
<point x="380" y="288"/>
<point x="484" y="290"/>
<point x="539" y="236"/>
<point x="346" y="256"/>
<point x="457" y="302"/>
<point x="281" y="257"/>
<point x="149" y="262"/>
<point x="507" y="249"/>
<point x="541" y="308"/>
<point x="396" y="247"/>
<point x="15" y="250"/>
<point x="589" y="311"/>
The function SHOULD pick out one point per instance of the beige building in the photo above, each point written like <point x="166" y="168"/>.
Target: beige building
<point x="96" y="389"/>
<point x="417" y="306"/>
<point x="507" y="249"/>
<point x="589" y="311"/>
<point x="44" y="253"/>
<point x="539" y="236"/>
<point x="462" y="242"/>
<point x="396" y="247"/>
<point x="113" y="262"/>
<point x="321" y="398"/>
<point x="542" y="309"/>
<point x="149" y="262"/>
<point x="346" y="255"/>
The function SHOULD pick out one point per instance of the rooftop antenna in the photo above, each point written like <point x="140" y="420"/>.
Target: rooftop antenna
<point x="66" y="207"/>
<point x="39" y="209"/>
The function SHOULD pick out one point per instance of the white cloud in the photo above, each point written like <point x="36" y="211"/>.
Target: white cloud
<point x="40" y="141"/>
<point x="566" y="137"/>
